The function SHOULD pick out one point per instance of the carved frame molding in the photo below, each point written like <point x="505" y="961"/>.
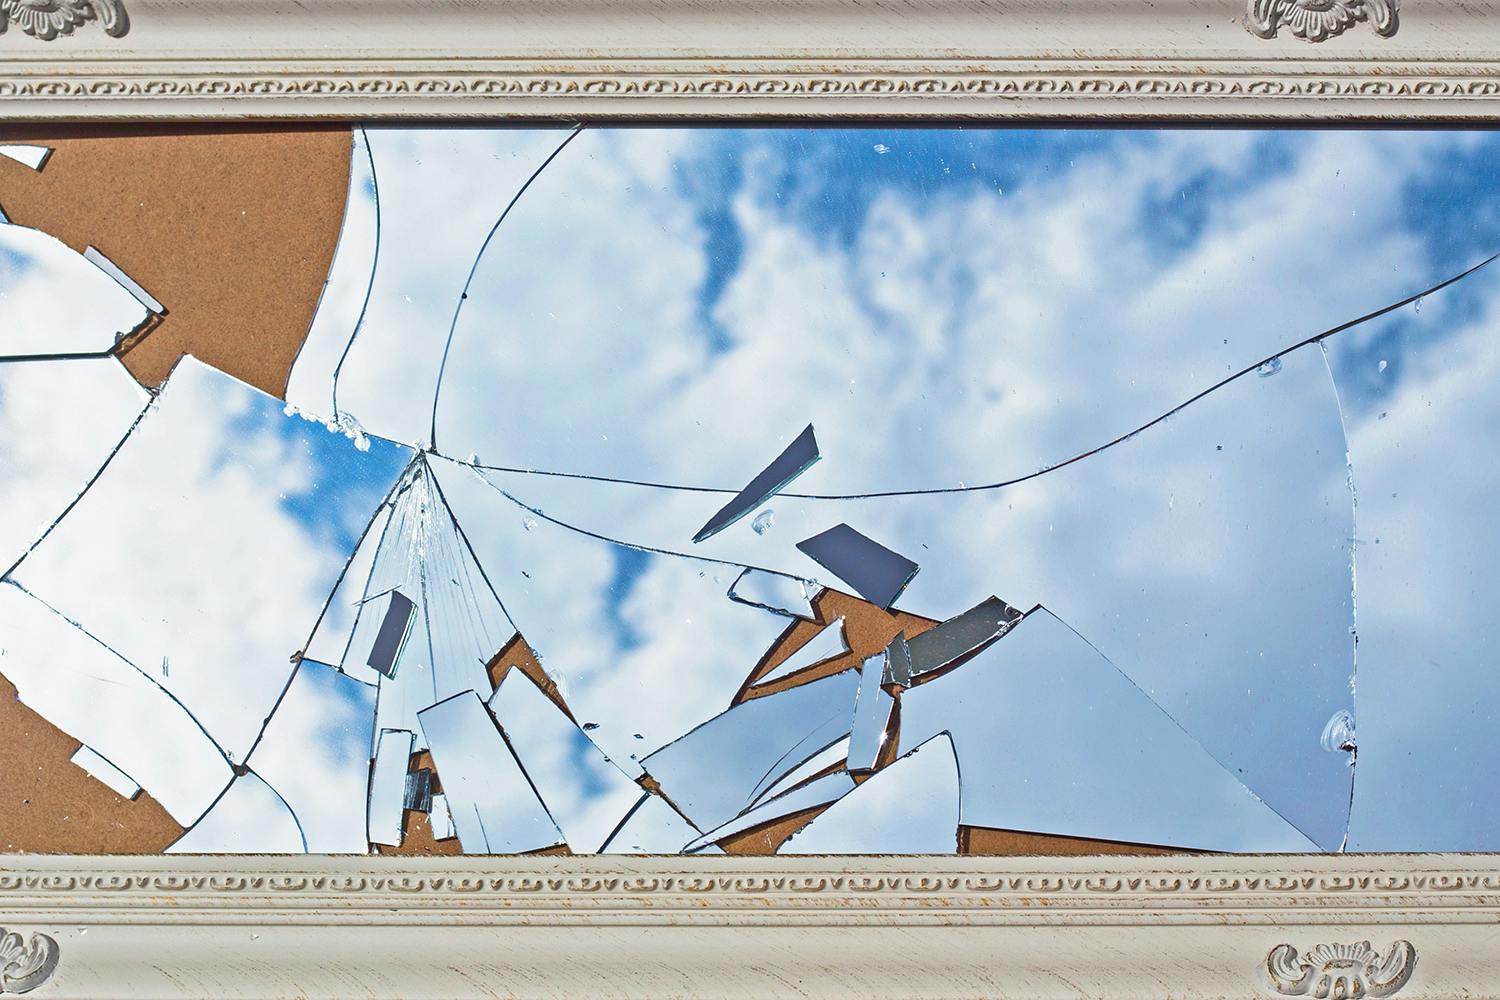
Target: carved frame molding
<point x="616" y="927"/>
<point x="990" y="59"/>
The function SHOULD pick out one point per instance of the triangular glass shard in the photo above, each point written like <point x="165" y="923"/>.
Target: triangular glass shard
<point x="495" y="808"/>
<point x="96" y="257"/>
<point x="97" y="767"/>
<point x="819" y="791"/>
<point x="1051" y="738"/>
<point x="828" y="643"/>
<point x="794" y="460"/>
<point x="584" y="793"/>
<point x="720" y="768"/>
<point x="872" y="715"/>
<point x="249" y="818"/>
<point x="813" y="767"/>
<point x="34" y="157"/>
<point x="911" y="807"/>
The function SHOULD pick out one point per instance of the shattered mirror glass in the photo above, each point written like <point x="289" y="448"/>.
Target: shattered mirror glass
<point x="784" y="491"/>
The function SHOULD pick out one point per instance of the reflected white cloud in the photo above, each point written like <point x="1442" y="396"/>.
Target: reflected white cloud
<point x="59" y="423"/>
<point x="250" y="818"/>
<point x="643" y="646"/>
<point x="109" y="704"/>
<point x="1095" y="749"/>
<point x="316" y="754"/>
<point x="53" y="301"/>
<point x="440" y="192"/>
<point x="911" y="807"/>
<point x="1419" y="391"/>
<point x="1171" y="552"/>
<point x="206" y="548"/>
<point x="584" y="793"/>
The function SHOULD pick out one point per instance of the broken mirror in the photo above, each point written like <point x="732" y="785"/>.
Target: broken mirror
<point x="784" y="491"/>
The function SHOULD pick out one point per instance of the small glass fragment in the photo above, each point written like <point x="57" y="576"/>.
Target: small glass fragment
<point x="872" y="714"/>
<point x="911" y="807"/>
<point x="118" y="781"/>
<point x="795" y="459"/>
<point x="418" y="794"/>
<point x="96" y="257"/>
<point x="898" y="665"/>
<point x="764" y="521"/>
<point x="495" y="808"/>
<point x="386" y="823"/>
<point x="34" y="157"/>
<point x="832" y="641"/>
<point x="395" y="629"/>
<point x="875" y="572"/>
<point x="440" y="818"/>
<point x="774" y="592"/>
<point x="946" y="642"/>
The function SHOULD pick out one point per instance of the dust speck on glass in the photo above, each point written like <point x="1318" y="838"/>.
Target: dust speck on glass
<point x="843" y="491"/>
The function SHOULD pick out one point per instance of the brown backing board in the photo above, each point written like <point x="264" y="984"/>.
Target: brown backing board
<point x="233" y="231"/>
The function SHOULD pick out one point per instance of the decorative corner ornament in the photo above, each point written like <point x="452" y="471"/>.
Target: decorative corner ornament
<point x="46" y="19"/>
<point x="1340" y="971"/>
<point x="24" y="967"/>
<point x="1317" y="20"/>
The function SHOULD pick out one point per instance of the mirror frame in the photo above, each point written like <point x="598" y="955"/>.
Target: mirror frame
<point x="623" y="927"/>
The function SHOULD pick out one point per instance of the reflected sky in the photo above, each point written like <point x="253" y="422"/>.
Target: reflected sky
<point x="602" y="334"/>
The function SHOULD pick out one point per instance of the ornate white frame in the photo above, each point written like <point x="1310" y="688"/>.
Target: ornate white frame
<point x="615" y="927"/>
